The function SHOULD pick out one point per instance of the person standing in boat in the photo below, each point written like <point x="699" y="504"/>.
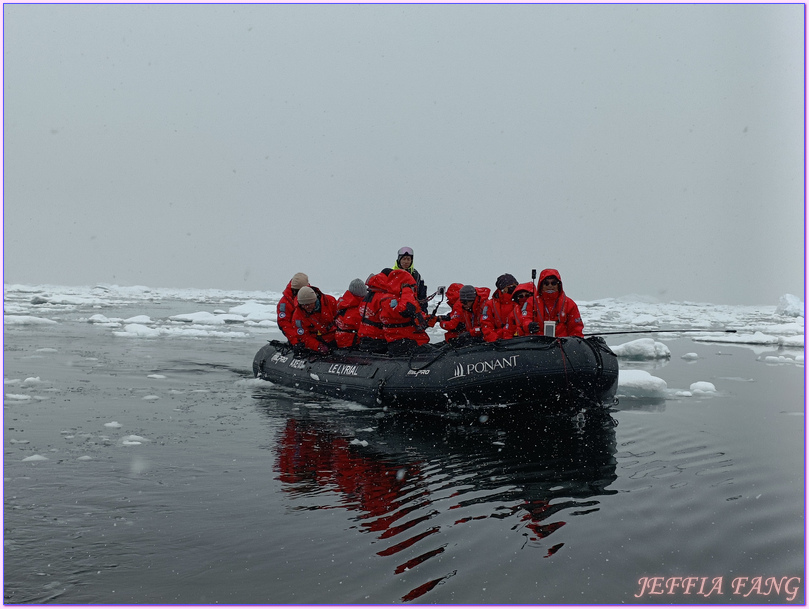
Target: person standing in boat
<point x="404" y="261"/>
<point x="286" y="307"/>
<point x="371" y="332"/>
<point x="347" y="318"/>
<point x="496" y="310"/>
<point x="314" y="320"/>
<point x="464" y="323"/>
<point x="401" y="315"/>
<point x="552" y="304"/>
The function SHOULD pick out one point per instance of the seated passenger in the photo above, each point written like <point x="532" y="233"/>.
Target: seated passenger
<point x="496" y="310"/>
<point x="400" y="313"/>
<point x="314" y="320"/>
<point x="347" y="317"/>
<point x="553" y="305"/>
<point x="286" y="306"/>
<point x="404" y="261"/>
<point x="522" y="295"/>
<point x="464" y="321"/>
<point x="371" y="332"/>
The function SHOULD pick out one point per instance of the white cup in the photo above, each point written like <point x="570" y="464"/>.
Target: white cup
<point x="550" y="328"/>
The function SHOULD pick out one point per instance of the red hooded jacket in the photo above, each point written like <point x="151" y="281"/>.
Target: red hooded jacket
<point x="555" y="306"/>
<point x="471" y="320"/>
<point x="316" y="330"/>
<point x="347" y="320"/>
<point x="283" y="314"/>
<point x="400" y="312"/>
<point x="370" y="324"/>
<point x="514" y="322"/>
<point x="494" y="317"/>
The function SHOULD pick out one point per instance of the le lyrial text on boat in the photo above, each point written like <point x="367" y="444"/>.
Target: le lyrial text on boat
<point x="540" y="370"/>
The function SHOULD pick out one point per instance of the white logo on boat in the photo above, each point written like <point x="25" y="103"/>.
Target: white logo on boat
<point x="417" y="372"/>
<point x="300" y="364"/>
<point x="277" y="357"/>
<point x="491" y="365"/>
<point x="343" y="369"/>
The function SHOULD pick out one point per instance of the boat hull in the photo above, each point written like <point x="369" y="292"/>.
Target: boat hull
<point x="552" y="372"/>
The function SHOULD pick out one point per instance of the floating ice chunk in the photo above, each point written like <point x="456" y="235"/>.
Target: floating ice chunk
<point x="17" y="396"/>
<point x="792" y="341"/>
<point x="690" y="356"/>
<point x="32" y="380"/>
<point x="11" y="381"/>
<point x="702" y="388"/>
<point x="642" y="349"/>
<point x="85" y="458"/>
<point x="683" y="394"/>
<point x="115" y="424"/>
<point x="758" y="338"/>
<point x="26" y="320"/>
<point x="205" y="318"/>
<point x="254" y="311"/>
<point x="357" y="442"/>
<point x="36" y="458"/>
<point x="139" y="319"/>
<point x="138" y="330"/>
<point x="47" y="350"/>
<point x="156" y="376"/>
<point x="134" y="438"/>
<point x="790" y="306"/>
<point x="645" y="320"/>
<point x="640" y="384"/>
<point x="151" y="397"/>
<point x="13" y="441"/>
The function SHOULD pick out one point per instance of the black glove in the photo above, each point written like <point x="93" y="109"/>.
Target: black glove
<point x="298" y="349"/>
<point x="460" y="327"/>
<point x="533" y="327"/>
<point x="409" y="310"/>
<point x="446" y="317"/>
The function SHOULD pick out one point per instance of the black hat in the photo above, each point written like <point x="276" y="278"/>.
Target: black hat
<point x="504" y="281"/>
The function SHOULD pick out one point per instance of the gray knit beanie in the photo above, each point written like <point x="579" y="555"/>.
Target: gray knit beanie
<point x="357" y="287"/>
<point x="467" y="293"/>
<point x="307" y="296"/>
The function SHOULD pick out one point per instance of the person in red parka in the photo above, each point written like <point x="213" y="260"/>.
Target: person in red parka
<point x="494" y="317"/>
<point x="371" y="332"/>
<point x="521" y="295"/>
<point x="314" y="320"/>
<point x="401" y="314"/>
<point x="464" y="321"/>
<point x="347" y="317"/>
<point x="286" y="306"/>
<point x="552" y="304"/>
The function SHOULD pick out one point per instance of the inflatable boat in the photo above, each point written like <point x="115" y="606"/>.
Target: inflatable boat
<point x="536" y="370"/>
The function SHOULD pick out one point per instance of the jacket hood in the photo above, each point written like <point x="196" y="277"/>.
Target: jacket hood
<point x="378" y="282"/>
<point x="453" y="293"/>
<point x="548" y="273"/>
<point x="399" y="278"/>
<point x="523" y="287"/>
<point x="350" y="300"/>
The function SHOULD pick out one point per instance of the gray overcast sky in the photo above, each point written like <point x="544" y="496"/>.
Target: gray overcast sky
<point x="649" y="149"/>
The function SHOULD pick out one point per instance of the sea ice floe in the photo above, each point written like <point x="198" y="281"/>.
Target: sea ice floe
<point x="26" y="320"/>
<point x="114" y="424"/>
<point x="640" y="384"/>
<point x="690" y="356"/>
<point x="36" y="458"/>
<point x="18" y="397"/>
<point x="702" y="388"/>
<point x="151" y="398"/>
<point x="642" y="349"/>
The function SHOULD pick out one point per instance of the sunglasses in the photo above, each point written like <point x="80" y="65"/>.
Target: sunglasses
<point x="550" y="282"/>
<point x="521" y="295"/>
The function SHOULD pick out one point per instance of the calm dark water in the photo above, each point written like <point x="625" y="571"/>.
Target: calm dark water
<point x="174" y="477"/>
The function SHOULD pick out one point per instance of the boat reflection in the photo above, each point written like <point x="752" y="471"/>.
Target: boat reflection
<point x="412" y="478"/>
